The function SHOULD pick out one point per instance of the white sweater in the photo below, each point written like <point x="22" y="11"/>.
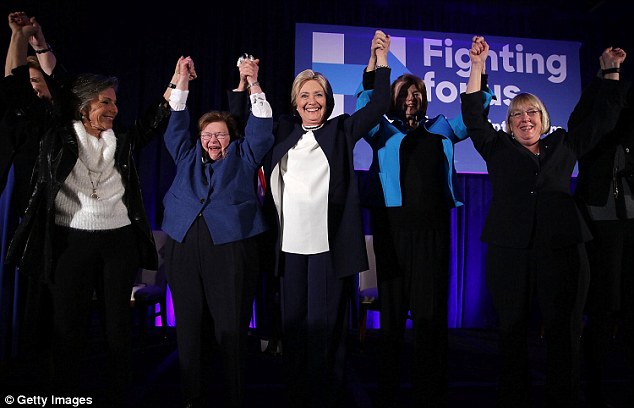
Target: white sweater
<point x="93" y="171"/>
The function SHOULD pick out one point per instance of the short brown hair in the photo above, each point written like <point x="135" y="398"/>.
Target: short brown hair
<point x="219" y="116"/>
<point x="404" y="82"/>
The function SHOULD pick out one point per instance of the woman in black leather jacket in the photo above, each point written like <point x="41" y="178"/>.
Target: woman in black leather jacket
<point x="85" y="226"/>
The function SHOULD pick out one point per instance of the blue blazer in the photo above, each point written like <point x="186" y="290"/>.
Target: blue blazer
<point x="224" y="192"/>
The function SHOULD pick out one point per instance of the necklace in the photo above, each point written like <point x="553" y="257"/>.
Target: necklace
<point x="312" y="128"/>
<point x="94" y="194"/>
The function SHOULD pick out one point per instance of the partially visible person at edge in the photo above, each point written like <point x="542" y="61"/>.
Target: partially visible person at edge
<point x="25" y="104"/>
<point x="320" y="235"/>
<point x="267" y="297"/>
<point x="410" y="192"/>
<point x="85" y="228"/>
<point x="534" y="231"/>
<point x="26" y="112"/>
<point x="213" y="219"/>
<point x="605" y="188"/>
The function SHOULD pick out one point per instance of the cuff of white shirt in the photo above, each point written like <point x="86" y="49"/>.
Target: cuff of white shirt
<point x="260" y="107"/>
<point x="178" y="99"/>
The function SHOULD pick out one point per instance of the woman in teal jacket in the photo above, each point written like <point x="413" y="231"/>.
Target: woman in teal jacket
<point x="410" y="190"/>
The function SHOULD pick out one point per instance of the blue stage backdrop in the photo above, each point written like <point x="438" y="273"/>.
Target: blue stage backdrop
<point x="549" y="69"/>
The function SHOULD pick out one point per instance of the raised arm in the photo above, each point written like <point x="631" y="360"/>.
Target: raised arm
<point x="258" y="132"/>
<point x="21" y="30"/>
<point x="245" y="67"/>
<point x="43" y="50"/>
<point x="478" y="54"/>
<point x="610" y="61"/>
<point x="378" y="50"/>
<point x="370" y="111"/>
<point x="249" y="69"/>
<point x="239" y="103"/>
<point x="474" y="102"/>
<point x="477" y="82"/>
<point x="177" y="134"/>
<point x="186" y="66"/>
<point x="599" y="107"/>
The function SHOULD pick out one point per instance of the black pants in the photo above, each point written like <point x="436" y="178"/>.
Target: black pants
<point x="217" y="281"/>
<point x="610" y="298"/>
<point x="413" y="277"/>
<point x="315" y="306"/>
<point x="85" y="262"/>
<point x="559" y="279"/>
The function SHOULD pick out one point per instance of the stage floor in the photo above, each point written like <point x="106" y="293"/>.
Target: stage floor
<point x="473" y="363"/>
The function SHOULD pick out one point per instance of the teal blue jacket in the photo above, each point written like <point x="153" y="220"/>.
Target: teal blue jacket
<point x="385" y="140"/>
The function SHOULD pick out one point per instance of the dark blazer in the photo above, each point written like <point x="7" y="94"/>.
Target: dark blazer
<point x="32" y="242"/>
<point x="224" y="191"/>
<point x="337" y="139"/>
<point x="595" y="179"/>
<point x="531" y="200"/>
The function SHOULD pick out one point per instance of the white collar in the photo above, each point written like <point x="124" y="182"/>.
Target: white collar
<point x="312" y="128"/>
<point x="94" y="152"/>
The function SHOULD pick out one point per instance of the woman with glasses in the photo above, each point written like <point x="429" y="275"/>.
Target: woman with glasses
<point x="534" y="231"/>
<point x="213" y="217"/>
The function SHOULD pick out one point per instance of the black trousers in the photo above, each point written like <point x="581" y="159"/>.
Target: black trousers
<point x="413" y="279"/>
<point x="216" y="281"/>
<point x="559" y="279"/>
<point x="85" y="262"/>
<point x="315" y="306"/>
<point x="610" y="298"/>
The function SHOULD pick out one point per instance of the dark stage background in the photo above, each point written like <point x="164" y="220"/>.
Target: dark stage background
<point x="141" y="48"/>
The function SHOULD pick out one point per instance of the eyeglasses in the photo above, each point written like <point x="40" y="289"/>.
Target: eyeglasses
<point x="518" y="114"/>
<point x="217" y="135"/>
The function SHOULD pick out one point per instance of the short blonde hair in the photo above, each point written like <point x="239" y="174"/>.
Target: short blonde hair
<point x="307" y="75"/>
<point x="528" y="99"/>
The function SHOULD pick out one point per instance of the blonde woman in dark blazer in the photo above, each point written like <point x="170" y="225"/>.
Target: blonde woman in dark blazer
<point x="534" y="231"/>
<point x="320" y="237"/>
